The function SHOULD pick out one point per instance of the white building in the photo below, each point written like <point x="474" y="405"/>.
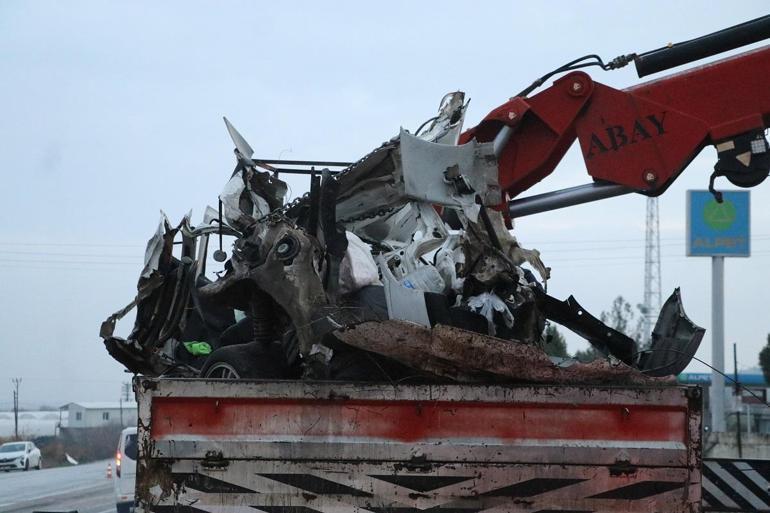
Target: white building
<point x="90" y="415"/>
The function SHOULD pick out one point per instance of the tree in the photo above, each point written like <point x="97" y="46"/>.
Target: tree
<point x="764" y="360"/>
<point x="587" y="355"/>
<point x="555" y="344"/>
<point x="620" y="317"/>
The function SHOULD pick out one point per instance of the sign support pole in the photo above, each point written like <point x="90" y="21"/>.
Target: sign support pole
<point x="717" y="395"/>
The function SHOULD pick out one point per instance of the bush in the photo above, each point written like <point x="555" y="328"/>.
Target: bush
<point x="90" y="444"/>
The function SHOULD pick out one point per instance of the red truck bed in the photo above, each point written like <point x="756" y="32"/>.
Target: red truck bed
<point x="301" y="447"/>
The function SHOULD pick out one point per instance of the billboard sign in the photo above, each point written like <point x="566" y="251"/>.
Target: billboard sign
<point x="718" y="229"/>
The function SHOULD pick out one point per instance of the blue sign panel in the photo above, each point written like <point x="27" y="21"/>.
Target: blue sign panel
<point x="718" y="229"/>
<point x="744" y="378"/>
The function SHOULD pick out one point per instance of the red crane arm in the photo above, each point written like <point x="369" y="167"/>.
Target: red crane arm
<point x="641" y="137"/>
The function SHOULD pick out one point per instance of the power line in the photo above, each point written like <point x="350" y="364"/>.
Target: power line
<point x="607" y="248"/>
<point x="531" y="242"/>
<point x="587" y="263"/>
<point x="57" y="269"/>
<point x="75" y="380"/>
<point x="74" y="244"/>
<point x="77" y="262"/>
<point x="16" y="383"/>
<point x="547" y="260"/>
<point x="49" y="253"/>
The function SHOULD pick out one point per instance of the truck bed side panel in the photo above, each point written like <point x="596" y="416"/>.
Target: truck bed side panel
<point x="300" y="447"/>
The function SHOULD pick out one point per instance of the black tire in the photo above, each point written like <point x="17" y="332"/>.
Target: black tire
<point x="26" y="465"/>
<point x="245" y="361"/>
<point x="39" y="464"/>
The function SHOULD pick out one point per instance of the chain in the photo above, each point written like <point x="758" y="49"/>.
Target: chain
<point x="363" y="217"/>
<point x="279" y="213"/>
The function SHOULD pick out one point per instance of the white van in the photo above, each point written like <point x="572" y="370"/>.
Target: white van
<point x="124" y="478"/>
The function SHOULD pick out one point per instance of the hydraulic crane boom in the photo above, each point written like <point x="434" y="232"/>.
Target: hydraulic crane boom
<point x="638" y="139"/>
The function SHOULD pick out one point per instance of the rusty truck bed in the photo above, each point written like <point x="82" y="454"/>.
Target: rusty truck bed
<point x="302" y="447"/>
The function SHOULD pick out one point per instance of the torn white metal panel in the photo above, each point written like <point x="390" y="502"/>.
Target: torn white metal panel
<point x="371" y="185"/>
<point x="455" y="175"/>
<point x="232" y="205"/>
<point x="415" y="233"/>
<point x="449" y="175"/>
<point x="238" y="140"/>
<point x="449" y="257"/>
<point x="231" y="197"/>
<point x="163" y="239"/>
<point x="404" y="303"/>
<point x="155" y="247"/>
<point x="447" y="126"/>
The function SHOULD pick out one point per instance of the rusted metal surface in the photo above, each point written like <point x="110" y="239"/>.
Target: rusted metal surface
<point x="401" y="421"/>
<point x="324" y="446"/>
<point x="467" y="356"/>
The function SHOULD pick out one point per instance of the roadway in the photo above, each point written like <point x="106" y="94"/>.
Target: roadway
<point x="81" y="488"/>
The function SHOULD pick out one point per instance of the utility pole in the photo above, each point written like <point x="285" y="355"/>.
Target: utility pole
<point x="737" y="400"/>
<point x="125" y="389"/>
<point x="16" y="383"/>
<point x="652" y="294"/>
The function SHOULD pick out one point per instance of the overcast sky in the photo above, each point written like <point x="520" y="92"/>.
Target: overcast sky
<point x="113" y="111"/>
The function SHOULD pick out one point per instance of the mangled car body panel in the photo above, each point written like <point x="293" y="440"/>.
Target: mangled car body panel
<point x="407" y="233"/>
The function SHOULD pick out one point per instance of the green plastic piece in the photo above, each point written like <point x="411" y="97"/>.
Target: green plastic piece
<point x="198" y="348"/>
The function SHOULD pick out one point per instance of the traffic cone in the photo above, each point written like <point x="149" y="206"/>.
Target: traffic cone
<point x="109" y="470"/>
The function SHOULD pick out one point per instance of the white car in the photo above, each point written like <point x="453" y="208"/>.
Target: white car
<point x="124" y="478"/>
<point x="20" y="456"/>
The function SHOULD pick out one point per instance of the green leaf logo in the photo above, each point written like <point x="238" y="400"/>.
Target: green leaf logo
<point x="719" y="216"/>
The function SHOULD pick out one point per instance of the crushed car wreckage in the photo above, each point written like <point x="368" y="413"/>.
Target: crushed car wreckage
<point x="399" y="266"/>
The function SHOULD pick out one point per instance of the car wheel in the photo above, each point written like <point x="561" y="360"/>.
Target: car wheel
<point x="26" y="465"/>
<point x="39" y="464"/>
<point x="245" y="361"/>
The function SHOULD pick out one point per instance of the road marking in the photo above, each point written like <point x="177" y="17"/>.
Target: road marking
<point x="63" y="492"/>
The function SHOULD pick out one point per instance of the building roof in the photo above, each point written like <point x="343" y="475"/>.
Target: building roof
<point x="103" y="405"/>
